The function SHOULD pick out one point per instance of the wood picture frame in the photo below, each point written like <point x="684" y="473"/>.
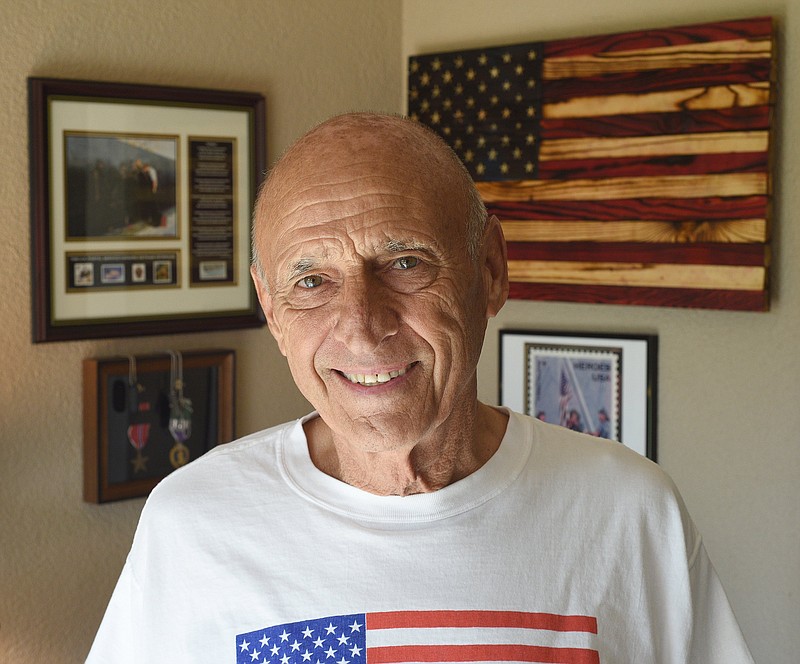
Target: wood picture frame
<point x="127" y="443"/>
<point x="141" y="198"/>
<point x="600" y="384"/>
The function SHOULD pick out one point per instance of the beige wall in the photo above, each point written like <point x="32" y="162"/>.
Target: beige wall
<point x="729" y="421"/>
<point x="729" y="425"/>
<point x="59" y="557"/>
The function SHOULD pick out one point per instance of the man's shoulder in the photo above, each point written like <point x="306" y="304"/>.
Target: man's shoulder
<point x="605" y="465"/>
<point x="559" y="441"/>
<point x="247" y="460"/>
<point x="252" y="441"/>
<point x="237" y="451"/>
<point x="604" y="481"/>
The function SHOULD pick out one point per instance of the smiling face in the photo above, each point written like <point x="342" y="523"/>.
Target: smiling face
<point x="371" y="292"/>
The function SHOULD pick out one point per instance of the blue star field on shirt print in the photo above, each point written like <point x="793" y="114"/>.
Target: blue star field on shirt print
<point x="334" y="639"/>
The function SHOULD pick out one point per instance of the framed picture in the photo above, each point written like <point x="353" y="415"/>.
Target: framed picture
<point x="602" y="385"/>
<point x="144" y="417"/>
<point x="141" y="199"/>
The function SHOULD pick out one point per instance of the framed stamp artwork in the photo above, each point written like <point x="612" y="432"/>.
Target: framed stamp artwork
<point x="141" y="199"/>
<point x="598" y="384"/>
<point x="144" y="417"/>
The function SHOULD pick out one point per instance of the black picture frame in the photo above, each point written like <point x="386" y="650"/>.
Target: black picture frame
<point x="141" y="198"/>
<point x="127" y="444"/>
<point x="597" y="383"/>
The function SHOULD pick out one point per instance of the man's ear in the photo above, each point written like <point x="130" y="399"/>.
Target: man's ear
<point x="495" y="266"/>
<point x="265" y="299"/>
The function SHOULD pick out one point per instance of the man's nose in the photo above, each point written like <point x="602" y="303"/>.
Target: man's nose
<point x="367" y="314"/>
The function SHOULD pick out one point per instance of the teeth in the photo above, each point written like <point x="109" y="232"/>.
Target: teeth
<point x="374" y="379"/>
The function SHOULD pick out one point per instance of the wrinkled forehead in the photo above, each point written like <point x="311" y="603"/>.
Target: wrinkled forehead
<point x="365" y="173"/>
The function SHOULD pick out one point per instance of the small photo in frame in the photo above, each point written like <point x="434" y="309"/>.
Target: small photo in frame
<point x="138" y="273"/>
<point x="83" y="274"/>
<point x="162" y="272"/>
<point x="597" y="384"/>
<point x="120" y="185"/>
<point x="112" y="273"/>
<point x="144" y="417"/>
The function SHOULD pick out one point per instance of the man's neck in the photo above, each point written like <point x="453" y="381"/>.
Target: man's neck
<point x="448" y="454"/>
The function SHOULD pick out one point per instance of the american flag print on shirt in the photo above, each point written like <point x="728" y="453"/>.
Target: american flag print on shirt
<point x="397" y="637"/>
<point x="630" y="168"/>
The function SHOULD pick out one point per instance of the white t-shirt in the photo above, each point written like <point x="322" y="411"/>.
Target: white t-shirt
<point x="561" y="548"/>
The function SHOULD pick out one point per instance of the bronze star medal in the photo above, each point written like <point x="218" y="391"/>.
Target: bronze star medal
<point x="137" y="436"/>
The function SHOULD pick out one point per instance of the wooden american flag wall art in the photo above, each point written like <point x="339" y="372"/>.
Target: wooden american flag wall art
<point x="628" y="169"/>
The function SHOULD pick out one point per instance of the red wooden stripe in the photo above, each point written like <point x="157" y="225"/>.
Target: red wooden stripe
<point x="657" y="80"/>
<point x="650" y="209"/>
<point x="520" y="619"/>
<point x="629" y="41"/>
<point x="641" y="252"/>
<point x="658" y="124"/>
<point x="570" y="169"/>
<point x="656" y="297"/>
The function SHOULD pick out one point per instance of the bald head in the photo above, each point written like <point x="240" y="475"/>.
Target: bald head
<point x="351" y="148"/>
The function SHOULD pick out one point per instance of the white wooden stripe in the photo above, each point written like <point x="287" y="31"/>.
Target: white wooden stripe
<point x="667" y="186"/>
<point x="656" y="275"/>
<point x="641" y="146"/>
<point x="706" y="98"/>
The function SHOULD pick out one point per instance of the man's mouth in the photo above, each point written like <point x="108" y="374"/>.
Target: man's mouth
<point x="376" y="378"/>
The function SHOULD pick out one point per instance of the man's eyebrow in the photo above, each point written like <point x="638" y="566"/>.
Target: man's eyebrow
<point x="300" y="266"/>
<point x="399" y="246"/>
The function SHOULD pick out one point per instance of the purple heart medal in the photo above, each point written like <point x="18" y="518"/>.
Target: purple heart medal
<point x="180" y="413"/>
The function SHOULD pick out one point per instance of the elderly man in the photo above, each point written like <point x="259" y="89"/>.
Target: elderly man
<point x="403" y="520"/>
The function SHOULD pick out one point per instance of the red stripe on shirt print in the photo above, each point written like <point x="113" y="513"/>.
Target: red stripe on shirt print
<point x="480" y="652"/>
<point x="521" y="619"/>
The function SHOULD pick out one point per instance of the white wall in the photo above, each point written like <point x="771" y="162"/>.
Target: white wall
<point x="729" y="421"/>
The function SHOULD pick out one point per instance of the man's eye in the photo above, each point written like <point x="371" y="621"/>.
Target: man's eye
<point x="406" y="262"/>
<point x="311" y="281"/>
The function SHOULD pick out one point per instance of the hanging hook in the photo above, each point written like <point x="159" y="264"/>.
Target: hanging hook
<point x="134" y="387"/>
<point x="132" y="380"/>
